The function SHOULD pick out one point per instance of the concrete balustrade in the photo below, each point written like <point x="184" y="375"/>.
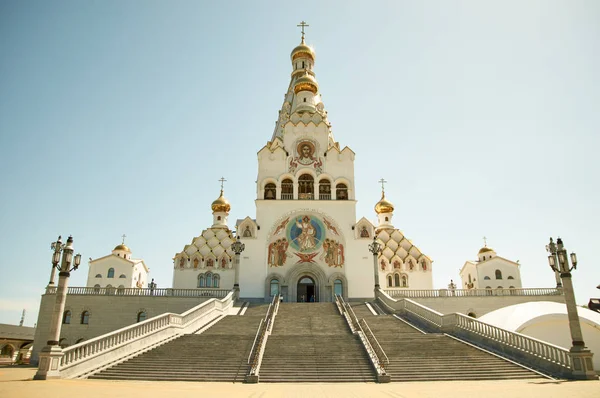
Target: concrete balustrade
<point x="536" y="354"/>
<point x="95" y="354"/>
<point x="415" y="293"/>
<point x="115" y="291"/>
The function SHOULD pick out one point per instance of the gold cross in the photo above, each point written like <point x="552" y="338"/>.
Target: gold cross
<point x="303" y="25"/>
<point x="382" y="181"/>
<point x="222" y="179"/>
<point x="123" y="236"/>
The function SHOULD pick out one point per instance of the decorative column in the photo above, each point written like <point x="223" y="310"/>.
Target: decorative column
<point x="237" y="247"/>
<point x="581" y="356"/>
<point x="375" y="248"/>
<point x="50" y="355"/>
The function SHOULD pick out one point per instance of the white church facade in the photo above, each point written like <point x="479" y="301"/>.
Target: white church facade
<point x="305" y="241"/>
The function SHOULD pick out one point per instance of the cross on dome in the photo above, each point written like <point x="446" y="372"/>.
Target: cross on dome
<point x="484" y="241"/>
<point x="223" y="180"/>
<point x="123" y="241"/>
<point x="382" y="182"/>
<point x="302" y="25"/>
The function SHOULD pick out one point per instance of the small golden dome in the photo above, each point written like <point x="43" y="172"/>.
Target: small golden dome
<point x="302" y="50"/>
<point x="221" y="204"/>
<point x="306" y="82"/>
<point x="384" y="206"/>
<point x="122" y="247"/>
<point x="485" y="250"/>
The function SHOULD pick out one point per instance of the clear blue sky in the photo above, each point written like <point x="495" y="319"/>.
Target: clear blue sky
<point x="120" y="116"/>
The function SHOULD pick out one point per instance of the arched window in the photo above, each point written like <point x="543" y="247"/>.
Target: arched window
<point x="141" y="316"/>
<point x="85" y="318"/>
<point x="122" y="276"/>
<point x="67" y="317"/>
<point x="79" y="340"/>
<point x="287" y="189"/>
<point x="208" y="280"/>
<point x="389" y="279"/>
<point x="498" y="274"/>
<point x="96" y="288"/>
<point x="201" y="282"/>
<point x="7" y="351"/>
<point x="111" y="273"/>
<point x="510" y="277"/>
<point x="396" y="280"/>
<point x="63" y="343"/>
<point x="338" y="287"/>
<point x="487" y="278"/>
<point x="341" y="192"/>
<point x="306" y="187"/>
<point x="98" y="276"/>
<point x="270" y="190"/>
<point x="324" y="190"/>
<point x="274" y="288"/>
<point x="404" y="281"/>
<point x="216" y="280"/>
<point x="121" y="289"/>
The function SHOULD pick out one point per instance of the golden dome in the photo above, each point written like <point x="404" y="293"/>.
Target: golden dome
<point x="485" y="250"/>
<point x="122" y="247"/>
<point x="302" y="50"/>
<point x="221" y="204"/>
<point x="384" y="206"/>
<point x="306" y="82"/>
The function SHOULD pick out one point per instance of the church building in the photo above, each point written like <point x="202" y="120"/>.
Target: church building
<point x="305" y="241"/>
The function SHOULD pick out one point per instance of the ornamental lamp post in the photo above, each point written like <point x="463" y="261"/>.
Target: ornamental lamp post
<point x="375" y="248"/>
<point x="237" y="247"/>
<point x="50" y="355"/>
<point x="581" y="356"/>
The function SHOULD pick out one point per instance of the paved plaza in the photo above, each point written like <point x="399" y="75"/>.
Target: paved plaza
<point x="17" y="382"/>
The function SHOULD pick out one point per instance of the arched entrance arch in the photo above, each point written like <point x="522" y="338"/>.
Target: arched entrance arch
<point x="306" y="290"/>
<point x="311" y="271"/>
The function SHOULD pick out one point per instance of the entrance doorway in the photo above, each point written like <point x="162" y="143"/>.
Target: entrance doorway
<point x="307" y="290"/>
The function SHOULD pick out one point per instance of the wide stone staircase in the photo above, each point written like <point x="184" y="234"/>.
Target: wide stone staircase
<point x="220" y="353"/>
<point x="415" y="356"/>
<point x="311" y="342"/>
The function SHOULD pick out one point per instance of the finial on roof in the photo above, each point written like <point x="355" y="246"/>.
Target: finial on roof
<point x="302" y="25"/>
<point x="123" y="241"/>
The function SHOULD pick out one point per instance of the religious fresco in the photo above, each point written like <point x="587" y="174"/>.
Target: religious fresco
<point x="306" y="238"/>
<point x="305" y="156"/>
<point x="333" y="253"/>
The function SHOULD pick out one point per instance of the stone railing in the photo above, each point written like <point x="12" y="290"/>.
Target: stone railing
<point x="115" y="291"/>
<point x="536" y="354"/>
<point x="426" y="293"/>
<point x="378" y="358"/>
<point x="91" y="355"/>
<point x="260" y="341"/>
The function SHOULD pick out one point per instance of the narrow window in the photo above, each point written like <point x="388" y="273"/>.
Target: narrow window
<point x="287" y="189"/>
<point x="404" y="281"/>
<point x="396" y="280"/>
<point x="389" y="278"/>
<point x="216" y="280"/>
<point x="274" y="288"/>
<point x="67" y="317"/>
<point x="208" y="280"/>
<point x="498" y="274"/>
<point x="306" y="187"/>
<point x="324" y="190"/>
<point x="338" y="287"/>
<point x="141" y="316"/>
<point x="270" y="191"/>
<point x="85" y="318"/>
<point x="201" y="281"/>
<point x="341" y="192"/>
<point x="111" y="273"/>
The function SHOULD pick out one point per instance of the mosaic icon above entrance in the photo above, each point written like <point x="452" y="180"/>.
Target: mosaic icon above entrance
<point x="305" y="233"/>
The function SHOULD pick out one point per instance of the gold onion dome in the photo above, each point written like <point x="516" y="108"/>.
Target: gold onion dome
<point x="384" y="206"/>
<point x="306" y="83"/>
<point x="221" y="204"/>
<point x="302" y="50"/>
<point x="122" y="247"/>
<point x="485" y="250"/>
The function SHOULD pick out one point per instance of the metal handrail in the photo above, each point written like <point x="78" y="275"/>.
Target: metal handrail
<point x="255" y="337"/>
<point x="387" y="361"/>
<point x="263" y="331"/>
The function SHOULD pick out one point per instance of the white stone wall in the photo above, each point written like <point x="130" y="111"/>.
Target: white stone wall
<point x="132" y="271"/>
<point x="107" y="313"/>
